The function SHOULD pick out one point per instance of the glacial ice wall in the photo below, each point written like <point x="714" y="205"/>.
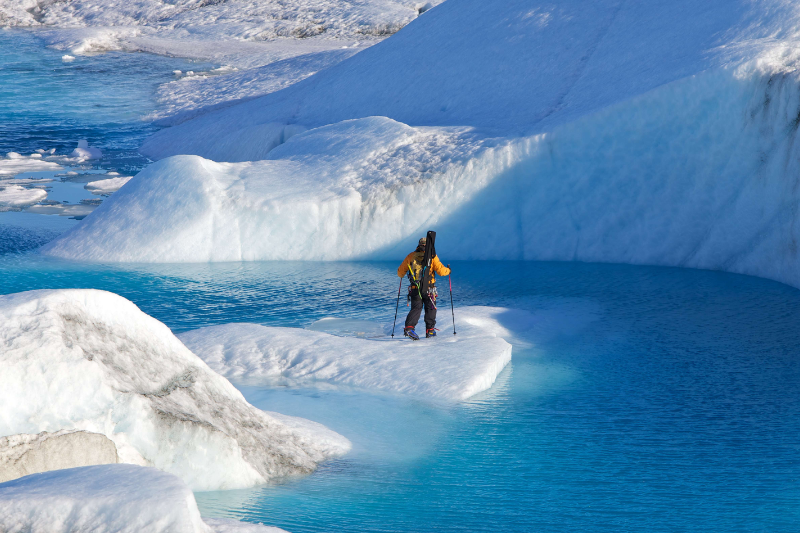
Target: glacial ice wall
<point x="702" y="173"/>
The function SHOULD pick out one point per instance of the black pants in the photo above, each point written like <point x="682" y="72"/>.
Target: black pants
<point x="416" y="308"/>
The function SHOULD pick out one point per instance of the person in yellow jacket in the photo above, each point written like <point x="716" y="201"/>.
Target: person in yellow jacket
<point x="412" y="266"/>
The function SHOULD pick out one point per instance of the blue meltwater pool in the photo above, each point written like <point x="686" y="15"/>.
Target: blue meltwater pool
<point x="666" y="400"/>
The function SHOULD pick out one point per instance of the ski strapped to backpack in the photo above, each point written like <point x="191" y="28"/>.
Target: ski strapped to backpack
<point x="423" y="284"/>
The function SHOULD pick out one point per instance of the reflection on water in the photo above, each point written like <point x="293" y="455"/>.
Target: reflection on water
<point x="674" y="406"/>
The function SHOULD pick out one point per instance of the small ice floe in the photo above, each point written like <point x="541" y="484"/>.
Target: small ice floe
<point x="15" y="163"/>
<point x="112" y="497"/>
<point x="112" y="173"/>
<point x="14" y="197"/>
<point x="177" y="72"/>
<point x="106" y="187"/>
<point x="66" y="58"/>
<point x="447" y="367"/>
<point x="84" y="151"/>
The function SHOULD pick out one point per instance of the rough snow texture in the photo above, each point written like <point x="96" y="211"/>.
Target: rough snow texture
<point x="107" y="499"/>
<point x="21" y="455"/>
<point x="107" y="186"/>
<point x="448" y="367"/>
<point x="91" y="360"/>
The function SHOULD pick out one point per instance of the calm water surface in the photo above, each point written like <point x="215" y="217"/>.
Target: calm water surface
<point x="676" y="408"/>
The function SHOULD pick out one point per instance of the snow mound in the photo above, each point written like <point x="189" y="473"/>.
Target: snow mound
<point x="15" y="163"/>
<point x="111" y="499"/>
<point x="447" y="367"/>
<point x="17" y="197"/>
<point x="108" y="498"/>
<point x="21" y="455"/>
<point x="106" y="186"/>
<point x="91" y="360"/>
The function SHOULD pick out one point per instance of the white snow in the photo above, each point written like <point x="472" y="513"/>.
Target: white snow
<point x="17" y="197"/>
<point x="84" y="151"/>
<point x="109" y="499"/>
<point x="15" y="163"/>
<point x="106" y="186"/>
<point x="91" y="360"/>
<point x="66" y="58"/>
<point x="22" y="455"/>
<point x="447" y="367"/>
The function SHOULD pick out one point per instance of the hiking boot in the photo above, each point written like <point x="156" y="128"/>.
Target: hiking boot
<point x="430" y="333"/>
<point x="409" y="332"/>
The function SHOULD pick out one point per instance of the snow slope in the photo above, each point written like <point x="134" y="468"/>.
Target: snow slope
<point x="91" y="360"/>
<point x="513" y="67"/>
<point x="108" y="499"/>
<point x="448" y="367"/>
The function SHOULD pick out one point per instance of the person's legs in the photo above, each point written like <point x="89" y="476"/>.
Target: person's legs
<point x="430" y="313"/>
<point x="416" y="309"/>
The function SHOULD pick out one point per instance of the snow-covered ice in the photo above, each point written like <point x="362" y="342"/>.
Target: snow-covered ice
<point x="108" y="499"/>
<point x="91" y="360"/>
<point x="22" y="455"/>
<point x="16" y="197"/>
<point x="447" y="367"/>
<point x="106" y="186"/>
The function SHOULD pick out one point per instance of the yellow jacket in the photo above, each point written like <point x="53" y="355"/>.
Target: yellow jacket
<point x="414" y="261"/>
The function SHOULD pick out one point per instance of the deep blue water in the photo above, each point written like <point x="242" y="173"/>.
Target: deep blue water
<point x="677" y="409"/>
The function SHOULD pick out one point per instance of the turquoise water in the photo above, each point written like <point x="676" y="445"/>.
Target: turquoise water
<point x="48" y="103"/>
<point x="676" y="409"/>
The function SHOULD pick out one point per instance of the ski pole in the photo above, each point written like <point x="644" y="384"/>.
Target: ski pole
<point x="450" y="280"/>
<point x="397" y="306"/>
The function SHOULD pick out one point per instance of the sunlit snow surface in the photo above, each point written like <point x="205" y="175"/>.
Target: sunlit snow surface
<point x="118" y="498"/>
<point x="449" y="367"/>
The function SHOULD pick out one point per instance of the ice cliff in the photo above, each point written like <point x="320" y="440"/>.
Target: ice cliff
<point x="647" y="133"/>
<point x="90" y="360"/>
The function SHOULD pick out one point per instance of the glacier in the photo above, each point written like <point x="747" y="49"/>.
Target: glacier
<point x="664" y="134"/>
<point x="447" y="367"/>
<point x="110" y="499"/>
<point x="90" y="360"/>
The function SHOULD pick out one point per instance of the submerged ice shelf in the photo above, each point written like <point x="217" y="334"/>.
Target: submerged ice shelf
<point x="91" y="360"/>
<point x="447" y="367"/>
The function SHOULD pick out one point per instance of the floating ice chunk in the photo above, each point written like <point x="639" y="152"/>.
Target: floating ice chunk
<point x="107" y="186"/>
<point x="84" y="151"/>
<point x="448" y="367"/>
<point x="91" y="360"/>
<point x="15" y="163"/>
<point x="17" y="197"/>
<point x="22" y="455"/>
<point x="66" y="58"/>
